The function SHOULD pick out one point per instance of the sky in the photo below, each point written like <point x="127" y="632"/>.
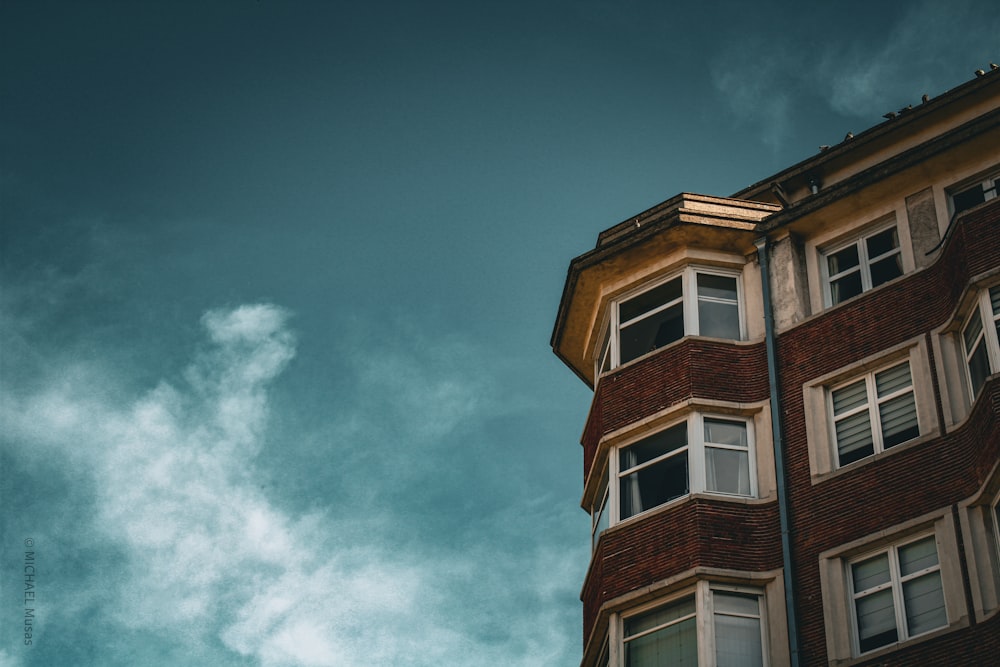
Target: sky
<point x="277" y="283"/>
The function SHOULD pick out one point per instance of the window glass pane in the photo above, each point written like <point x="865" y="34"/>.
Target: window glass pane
<point x="876" y="620"/>
<point x="893" y="379"/>
<point x="737" y="638"/>
<point x="899" y="420"/>
<point x="651" y="333"/>
<point x="968" y="198"/>
<point x="719" y="320"/>
<point x="842" y="260"/>
<point x="917" y="556"/>
<point x="844" y="288"/>
<point x="972" y="330"/>
<point x="605" y="351"/>
<point x="657" y="617"/>
<point x="854" y="438"/>
<point x="727" y="471"/>
<point x="656" y="445"/>
<point x="851" y="396"/>
<point x="736" y="603"/>
<point x="870" y="573"/>
<point x="979" y="366"/>
<point x="923" y="601"/>
<point x="650" y="300"/>
<point x="725" y="432"/>
<point x="719" y="287"/>
<point x="881" y="243"/>
<point x="654" y="485"/>
<point x="674" y="646"/>
<point x="995" y="300"/>
<point x="599" y="513"/>
<point x="886" y="269"/>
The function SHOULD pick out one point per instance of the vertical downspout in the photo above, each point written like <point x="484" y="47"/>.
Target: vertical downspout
<point x="779" y="458"/>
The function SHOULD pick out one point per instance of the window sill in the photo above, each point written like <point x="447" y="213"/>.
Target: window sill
<point x="819" y="478"/>
<point x="701" y="495"/>
<point x="892" y="648"/>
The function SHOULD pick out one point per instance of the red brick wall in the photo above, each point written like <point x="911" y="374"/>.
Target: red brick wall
<point x="881" y="494"/>
<point x="919" y="480"/>
<point x="696" y="532"/>
<point x="691" y="367"/>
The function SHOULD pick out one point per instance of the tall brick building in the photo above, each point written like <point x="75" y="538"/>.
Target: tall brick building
<point x="793" y="453"/>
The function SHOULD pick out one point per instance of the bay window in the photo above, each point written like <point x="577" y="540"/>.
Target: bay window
<point x="711" y="454"/>
<point x="669" y="635"/>
<point x="599" y="515"/>
<point x="695" y="302"/>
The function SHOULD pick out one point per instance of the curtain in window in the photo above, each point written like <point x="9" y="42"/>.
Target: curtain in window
<point x="727" y="469"/>
<point x="923" y="598"/>
<point x="854" y="432"/>
<point x="898" y="415"/>
<point x="673" y="644"/>
<point x="737" y="630"/>
<point x="631" y="492"/>
<point x="718" y="306"/>
<point x="874" y="608"/>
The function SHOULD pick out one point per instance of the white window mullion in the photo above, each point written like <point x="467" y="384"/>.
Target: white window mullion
<point x="897" y="594"/>
<point x="615" y="337"/>
<point x="865" y="264"/>
<point x="873" y="412"/>
<point x="689" y="287"/>
<point x="706" y="624"/>
<point x="616" y="654"/>
<point x="696" y="453"/>
<point x="990" y="320"/>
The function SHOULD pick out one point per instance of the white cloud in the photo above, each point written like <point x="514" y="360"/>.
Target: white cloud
<point x="209" y="557"/>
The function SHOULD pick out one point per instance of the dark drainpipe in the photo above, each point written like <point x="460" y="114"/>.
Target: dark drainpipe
<point x="779" y="458"/>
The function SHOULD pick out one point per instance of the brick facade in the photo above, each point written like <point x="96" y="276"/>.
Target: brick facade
<point x="833" y="514"/>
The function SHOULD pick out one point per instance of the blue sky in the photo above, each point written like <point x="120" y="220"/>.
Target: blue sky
<point x="277" y="282"/>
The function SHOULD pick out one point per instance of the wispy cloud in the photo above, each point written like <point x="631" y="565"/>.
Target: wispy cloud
<point x="758" y="93"/>
<point x="210" y="559"/>
<point x="862" y="78"/>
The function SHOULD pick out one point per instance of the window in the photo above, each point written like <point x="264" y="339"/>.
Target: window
<point x="979" y="341"/>
<point x="995" y="514"/>
<point x="897" y="594"/>
<point x="599" y="512"/>
<point x="668" y="635"/>
<point x="863" y="264"/>
<point x="901" y="583"/>
<point x="976" y="194"/>
<point x="696" y="302"/>
<point x="703" y="453"/>
<point x="874" y="413"/>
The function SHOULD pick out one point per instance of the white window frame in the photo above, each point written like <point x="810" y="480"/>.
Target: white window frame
<point x="995" y="518"/>
<point x="608" y="353"/>
<point x="704" y="615"/>
<point x="989" y="319"/>
<point x="864" y="261"/>
<point x="988" y="184"/>
<point x="895" y="584"/>
<point x="696" y="451"/>
<point x="872" y="404"/>
<point x="600" y="511"/>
